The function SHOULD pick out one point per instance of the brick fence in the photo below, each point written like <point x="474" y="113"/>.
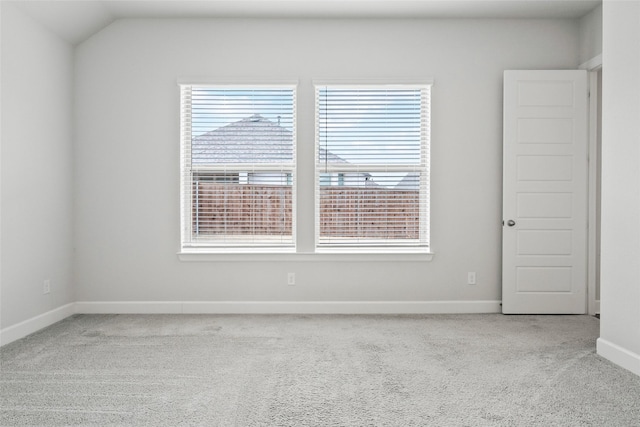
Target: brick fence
<point x="350" y="212"/>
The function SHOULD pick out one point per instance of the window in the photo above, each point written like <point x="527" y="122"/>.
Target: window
<point x="372" y="166"/>
<point x="238" y="166"/>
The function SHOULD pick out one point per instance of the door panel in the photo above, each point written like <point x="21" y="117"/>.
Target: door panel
<point x="544" y="168"/>
<point x="544" y="192"/>
<point x="544" y="279"/>
<point x="545" y="131"/>
<point x="544" y="242"/>
<point x="544" y="205"/>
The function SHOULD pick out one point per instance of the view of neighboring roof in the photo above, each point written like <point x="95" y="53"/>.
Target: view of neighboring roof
<point x="254" y="139"/>
<point x="251" y="140"/>
<point x="411" y="181"/>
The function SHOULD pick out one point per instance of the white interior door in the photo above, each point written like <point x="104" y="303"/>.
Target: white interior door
<point x="544" y="236"/>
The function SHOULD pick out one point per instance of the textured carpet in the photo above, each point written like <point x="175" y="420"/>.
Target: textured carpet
<point x="300" y="370"/>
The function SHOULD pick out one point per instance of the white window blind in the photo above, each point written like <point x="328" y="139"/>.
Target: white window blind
<point x="238" y="166"/>
<point x="372" y="166"/>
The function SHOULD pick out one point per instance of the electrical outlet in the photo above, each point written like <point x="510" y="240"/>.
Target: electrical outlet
<point x="471" y="278"/>
<point x="291" y="279"/>
<point x="46" y="287"/>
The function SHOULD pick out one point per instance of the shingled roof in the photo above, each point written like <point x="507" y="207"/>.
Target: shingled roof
<point x="254" y="139"/>
<point x="411" y="181"/>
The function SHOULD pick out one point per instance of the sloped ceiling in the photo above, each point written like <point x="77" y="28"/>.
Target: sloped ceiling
<point x="77" y="20"/>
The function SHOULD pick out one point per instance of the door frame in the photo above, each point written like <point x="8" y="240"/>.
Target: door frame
<point x="593" y="66"/>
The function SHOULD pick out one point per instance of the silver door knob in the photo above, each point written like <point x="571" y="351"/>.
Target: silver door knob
<point x="511" y="223"/>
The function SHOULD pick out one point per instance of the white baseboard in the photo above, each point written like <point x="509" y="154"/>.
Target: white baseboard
<point x="619" y="355"/>
<point x="29" y="326"/>
<point x="291" y="307"/>
<point x="129" y="307"/>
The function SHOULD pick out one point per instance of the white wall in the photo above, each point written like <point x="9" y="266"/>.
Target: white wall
<point x="127" y="207"/>
<point x="590" y="28"/>
<point x="37" y="208"/>
<point x="620" y="268"/>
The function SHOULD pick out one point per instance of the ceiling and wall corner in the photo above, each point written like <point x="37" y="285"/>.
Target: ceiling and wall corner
<point x="590" y="27"/>
<point x="72" y="21"/>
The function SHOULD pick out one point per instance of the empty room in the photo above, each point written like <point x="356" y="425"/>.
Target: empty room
<point x="313" y="213"/>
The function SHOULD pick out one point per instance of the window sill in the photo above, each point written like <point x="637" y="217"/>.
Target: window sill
<point x="327" y="255"/>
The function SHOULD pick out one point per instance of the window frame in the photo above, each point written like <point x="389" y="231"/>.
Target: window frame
<point x="424" y="246"/>
<point x="188" y="173"/>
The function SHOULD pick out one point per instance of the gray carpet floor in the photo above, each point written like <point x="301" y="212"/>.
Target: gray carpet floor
<point x="308" y="370"/>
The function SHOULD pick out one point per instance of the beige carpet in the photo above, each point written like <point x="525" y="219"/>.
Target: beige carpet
<point x="288" y="370"/>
